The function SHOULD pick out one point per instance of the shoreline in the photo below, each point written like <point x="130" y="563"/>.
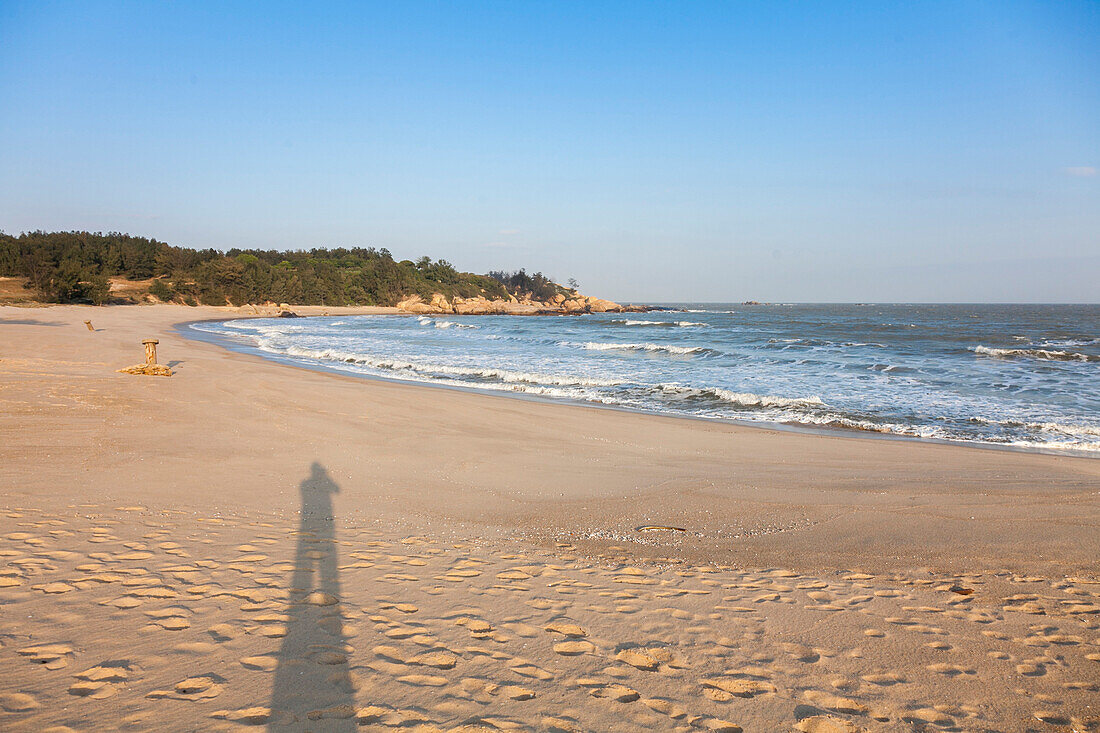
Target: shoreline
<point x="730" y="458"/>
<point x="245" y="544"/>
<point x="225" y="342"/>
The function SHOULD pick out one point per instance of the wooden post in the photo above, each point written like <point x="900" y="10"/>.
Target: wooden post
<point x="89" y="325"/>
<point x="150" y="367"/>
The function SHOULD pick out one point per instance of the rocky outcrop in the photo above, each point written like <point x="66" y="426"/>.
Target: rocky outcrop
<point x="416" y="304"/>
<point x="560" y="304"/>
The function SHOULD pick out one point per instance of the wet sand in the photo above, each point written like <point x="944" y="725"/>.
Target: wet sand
<point x="248" y="544"/>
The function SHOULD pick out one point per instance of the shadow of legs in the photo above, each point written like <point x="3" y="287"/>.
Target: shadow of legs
<point x="312" y="687"/>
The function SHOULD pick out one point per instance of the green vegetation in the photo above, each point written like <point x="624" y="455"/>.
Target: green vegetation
<point x="67" y="267"/>
<point x="538" y="285"/>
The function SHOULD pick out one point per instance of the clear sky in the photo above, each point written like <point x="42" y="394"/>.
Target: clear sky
<point x="654" y="151"/>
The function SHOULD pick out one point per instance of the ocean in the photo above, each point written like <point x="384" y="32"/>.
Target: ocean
<point x="1024" y="376"/>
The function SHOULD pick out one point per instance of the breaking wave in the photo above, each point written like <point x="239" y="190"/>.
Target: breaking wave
<point x="425" y="321"/>
<point x="666" y="348"/>
<point x="665" y="324"/>
<point x="1044" y="354"/>
<point x="818" y="367"/>
<point x="429" y="368"/>
<point x="740" y="399"/>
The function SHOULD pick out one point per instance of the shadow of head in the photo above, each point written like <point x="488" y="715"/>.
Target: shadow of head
<point x="319" y="482"/>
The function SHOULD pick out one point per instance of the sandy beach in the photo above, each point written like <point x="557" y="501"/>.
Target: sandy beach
<point x="251" y="544"/>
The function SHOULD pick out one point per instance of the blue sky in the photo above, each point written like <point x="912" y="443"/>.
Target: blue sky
<point x="654" y="151"/>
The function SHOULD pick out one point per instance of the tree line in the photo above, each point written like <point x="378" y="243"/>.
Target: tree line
<point x="70" y="267"/>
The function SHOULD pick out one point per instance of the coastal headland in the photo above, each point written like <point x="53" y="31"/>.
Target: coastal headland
<point x="247" y="543"/>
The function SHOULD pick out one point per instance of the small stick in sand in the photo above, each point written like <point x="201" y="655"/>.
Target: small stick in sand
<point x="150" y="350"/>
<point x="89" y="325"/>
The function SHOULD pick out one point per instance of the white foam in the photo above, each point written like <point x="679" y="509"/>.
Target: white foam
<point x="875" y="402"/>
<point x="1062" y="343"/>
<point x="681" y="324"/>
<point x="1044" y="354"/>
<point x="429" y="368"/>
<point x="755" y="400"/>
<point x="1065" y="429"/>
<point x="742" y="399"/>
<point x="667" y="348"/>
<point x="425" y="321"/>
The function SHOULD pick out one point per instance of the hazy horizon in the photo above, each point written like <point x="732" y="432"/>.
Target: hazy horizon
<point x="657" y="153"/>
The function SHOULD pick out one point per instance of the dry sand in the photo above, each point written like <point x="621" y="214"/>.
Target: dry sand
<point x="248" y="544"/>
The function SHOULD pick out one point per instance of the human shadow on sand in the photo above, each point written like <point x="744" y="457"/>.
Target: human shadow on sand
<point x="312" y="688"/>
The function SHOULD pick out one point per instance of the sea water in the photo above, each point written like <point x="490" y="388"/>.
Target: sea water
<point x="1010" y="375"/>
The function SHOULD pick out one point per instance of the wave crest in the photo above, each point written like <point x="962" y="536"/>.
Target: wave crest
<point x="425" y="321"/>
<point x="741" y="399"/>
<point x="428" y="368"/>
<point x="1043" y="354"/>
<point x="666" y="348"/>
<point x="665" y="324"/>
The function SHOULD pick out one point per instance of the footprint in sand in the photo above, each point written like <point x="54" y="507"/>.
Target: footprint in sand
<point x="422" y="680"/>
<point x="54" y="588"/>
<point x="616" y="692"/>
<point x="170" y="619"/>
<point x="665" y="707"/>
<point x="402" y="607"/>
<point x="524" y="630"/>
<point x="264" y="663"/>
<point x="928" y="716"/>
<point x="801" y="652"/>
<point x="638" y="660"/>
<point x="574" y="648"/>
<point x="222" y="632"/>
<point x="98" y="683"/>
<point x="835" y="703"/>
<point x="112" y="671"/>
<point x="93" y="690"/>
<point x="1030" y="668"/>
<point x="246" y="716"/>
<point x="524" y="669"/>
<point x="950" y="670"/>
<point x="515" y="692"/>
<point x="566" y="629"/>
<point x="723" y="689"/>
<point x="884" y="679"/>
<point x="51" y="656"/>
<point x="827" y="724"/>
<point x="436" y="660"/>
<point x="201" y="687"/>
<point x="17" y="702"/>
